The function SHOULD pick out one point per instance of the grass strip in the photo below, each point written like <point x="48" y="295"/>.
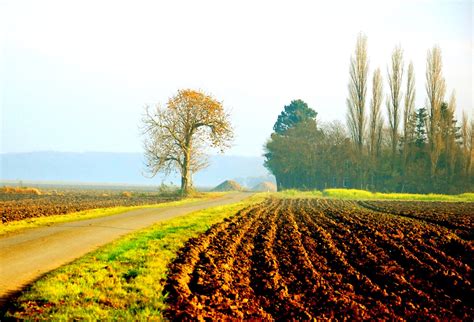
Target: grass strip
<point x="368" y="195"/>
<point x="121" y="281"/>
<point x="363" y="194"/>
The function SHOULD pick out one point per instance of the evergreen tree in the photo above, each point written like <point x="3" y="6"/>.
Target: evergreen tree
<point x="297" y="112"/>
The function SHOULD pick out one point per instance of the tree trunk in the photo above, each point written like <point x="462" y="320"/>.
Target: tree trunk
<point x="185" y="176"/>
<point x="184" y="184"/>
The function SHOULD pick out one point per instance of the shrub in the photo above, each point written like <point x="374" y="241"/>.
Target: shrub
<point x="165" y="190"/>
<point x="21" y="190"/>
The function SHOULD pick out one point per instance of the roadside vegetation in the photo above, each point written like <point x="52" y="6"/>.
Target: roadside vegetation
<point x="123" y="280"/>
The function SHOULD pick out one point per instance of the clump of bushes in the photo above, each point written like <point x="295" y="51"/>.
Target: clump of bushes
<point x="170" y="190"/>
<point x="21" y="190"/>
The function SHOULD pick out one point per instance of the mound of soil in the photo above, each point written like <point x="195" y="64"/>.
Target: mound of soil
<point x="228" y="185"/>
<point x="265" y="187"/>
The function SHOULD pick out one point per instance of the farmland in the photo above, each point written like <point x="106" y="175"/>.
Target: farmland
<point x="278" y="257"/>
<point x="15" y="206"/>
<point x="328" y="258"/>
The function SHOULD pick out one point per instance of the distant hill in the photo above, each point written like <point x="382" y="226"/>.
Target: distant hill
<point x="121" y="168"/>
<point x="265" y="187"/>
<point x="250" y="182"/>
<point x="228" y="185"/>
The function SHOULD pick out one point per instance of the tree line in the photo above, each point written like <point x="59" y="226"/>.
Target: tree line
<point x="417" y="150"/>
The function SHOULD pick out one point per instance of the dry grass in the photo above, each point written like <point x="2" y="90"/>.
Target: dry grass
<point x="21" y="190"/>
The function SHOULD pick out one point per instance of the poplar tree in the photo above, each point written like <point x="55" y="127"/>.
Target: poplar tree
<point x="358" y="71"/>
<point x="395" y="75"/>
<point x="435" y="90"/>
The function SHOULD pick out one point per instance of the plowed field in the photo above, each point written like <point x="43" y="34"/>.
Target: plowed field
<point x="320" y="258"/>
<point x="457" y="216"/>
<point x="19" y="207"/>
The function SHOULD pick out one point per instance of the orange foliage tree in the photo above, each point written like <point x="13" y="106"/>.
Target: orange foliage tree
<point x="177" y="135"/>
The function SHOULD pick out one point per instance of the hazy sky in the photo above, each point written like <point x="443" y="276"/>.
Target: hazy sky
<point x="75" y="75"/>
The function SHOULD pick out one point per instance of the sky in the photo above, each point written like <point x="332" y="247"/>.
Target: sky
<point x="75" y="75"/>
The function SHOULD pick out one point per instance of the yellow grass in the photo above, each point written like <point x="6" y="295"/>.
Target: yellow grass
<point x="363" y="194"/>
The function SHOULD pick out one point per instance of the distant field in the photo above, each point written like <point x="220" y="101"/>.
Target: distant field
<point x="26" y="203"/>
<point x="52" y="185"/>
<point x="90" y="186"/>
<point x="22" y="208"/>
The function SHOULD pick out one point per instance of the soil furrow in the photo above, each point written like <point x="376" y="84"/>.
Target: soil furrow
<point x="305" y="259"/>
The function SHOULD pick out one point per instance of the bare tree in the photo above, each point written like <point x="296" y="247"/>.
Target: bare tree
<point x="376" y="121"/>
<point x="435" y="90"/>
<point x="449" y="132"/>
<point x="358" y="70"/>
<point x="471" y="148"/>
<point x="176" y="136"/>
<point x="375" y="125"/>
<point x="408" y="111"/>
<point x="467" y="143"/>
<point x="395" y="75"/>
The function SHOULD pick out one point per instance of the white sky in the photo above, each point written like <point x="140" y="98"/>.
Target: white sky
<point x="75" y="75"/>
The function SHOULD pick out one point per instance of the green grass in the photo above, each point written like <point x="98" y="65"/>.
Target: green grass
<point x="123" y="280"/>
<point x="93" y="213"/>
<point x="363" y="194"/>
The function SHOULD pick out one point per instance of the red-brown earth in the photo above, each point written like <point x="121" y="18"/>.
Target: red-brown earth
<point x="321" y="258"/>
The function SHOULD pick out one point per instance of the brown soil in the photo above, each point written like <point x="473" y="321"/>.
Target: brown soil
<point x="309" y="259"/>
<point x="14" y="207"/>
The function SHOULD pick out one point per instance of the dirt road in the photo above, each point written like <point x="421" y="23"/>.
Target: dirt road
<point x="26" y="255"/>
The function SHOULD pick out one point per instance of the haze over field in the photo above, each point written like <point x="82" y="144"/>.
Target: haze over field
<point x="75" y="75"/>
<point x="122" y="168"/>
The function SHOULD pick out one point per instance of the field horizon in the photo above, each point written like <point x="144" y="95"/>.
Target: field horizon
<point x="117" y="168"/>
